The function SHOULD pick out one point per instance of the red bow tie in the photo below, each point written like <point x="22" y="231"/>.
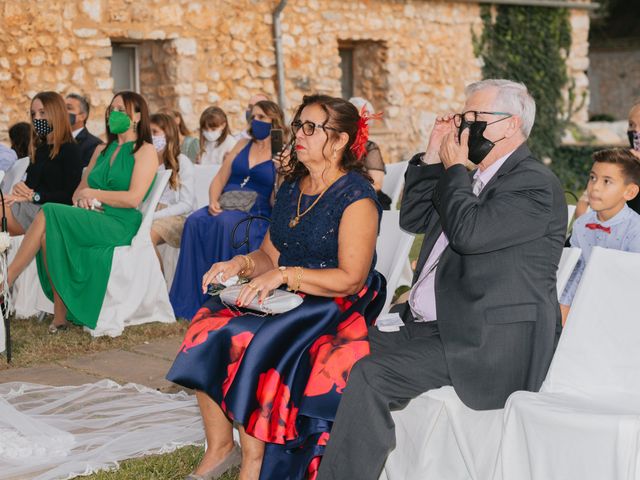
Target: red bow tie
<point x="597" y="226"/>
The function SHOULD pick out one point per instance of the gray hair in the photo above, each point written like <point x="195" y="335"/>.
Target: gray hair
<point x="84" y="103"/>
<point x="512" y="97"/>
<point x="360" y="102"/>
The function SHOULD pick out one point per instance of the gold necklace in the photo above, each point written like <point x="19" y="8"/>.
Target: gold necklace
<point x="295" y="220"/>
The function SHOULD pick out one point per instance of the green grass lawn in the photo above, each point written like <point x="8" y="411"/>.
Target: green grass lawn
<point x="170" y="466"/>
<point x="32" y="343"/>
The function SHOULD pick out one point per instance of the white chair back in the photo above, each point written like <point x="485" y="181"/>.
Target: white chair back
<point x="598" y="351"/>
<point x="570" y="257"/>
<point x="148" y="207"/>
<point x="203" y="175"/>
<point x="394" y="181"/>
<point x="571" y="210"/>
<point x="14" y="174"/>
<point x="392" y="248"/>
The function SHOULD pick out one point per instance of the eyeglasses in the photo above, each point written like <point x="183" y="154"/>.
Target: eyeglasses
<point x="308" y="127"/>
<point x="471" y="116"/>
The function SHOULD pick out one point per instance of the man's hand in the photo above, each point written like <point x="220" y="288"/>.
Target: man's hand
<point x="453" y="152"/>
<point x="441" y="128"/>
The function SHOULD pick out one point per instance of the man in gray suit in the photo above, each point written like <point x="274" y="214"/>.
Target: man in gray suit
<point x="483" y="314"/>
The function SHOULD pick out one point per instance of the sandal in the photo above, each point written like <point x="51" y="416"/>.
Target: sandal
<point x="53" y="329"/>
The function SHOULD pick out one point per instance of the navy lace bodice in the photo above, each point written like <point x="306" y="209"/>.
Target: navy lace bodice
<point x="313" y="243"/>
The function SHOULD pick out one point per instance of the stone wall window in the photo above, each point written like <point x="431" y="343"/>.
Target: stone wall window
<point x="125" y="69"/>
<point x="346" y="67"/>
<point x="364" y="71"/>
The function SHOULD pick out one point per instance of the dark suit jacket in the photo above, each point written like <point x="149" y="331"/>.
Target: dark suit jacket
<point x="495" y="284"/>
<point x="88" y="144"/>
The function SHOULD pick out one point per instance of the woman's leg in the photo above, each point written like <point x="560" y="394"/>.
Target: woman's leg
<point x="28" y="248"/>
<point x="252" y="453"/>
<point x="59" y="308"/>
<point x="13" y="226"/>
<point x="218" y="431"/>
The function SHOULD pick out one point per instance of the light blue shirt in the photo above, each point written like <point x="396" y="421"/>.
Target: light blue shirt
<point x="624" y="236"/>
<point x="7" y="157"/>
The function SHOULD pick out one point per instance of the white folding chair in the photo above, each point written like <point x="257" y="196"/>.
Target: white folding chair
<point x="203" y="175"/>
<point x="14" y="175"/>
<point x="585" y="422"/>
<point x="392" y="249"/>
<point x="136" y="291"/>
<point x="394" y="181"/>
<point x="438" y="436"/>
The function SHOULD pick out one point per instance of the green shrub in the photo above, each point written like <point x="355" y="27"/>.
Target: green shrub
<point x="530" y="45"/>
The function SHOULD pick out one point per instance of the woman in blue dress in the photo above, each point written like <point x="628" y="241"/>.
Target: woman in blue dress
<point x="279" y="378"/>
<point x="207" y="236"/>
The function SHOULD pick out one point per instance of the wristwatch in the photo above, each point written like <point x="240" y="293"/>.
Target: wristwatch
<point x="35" y="198"/>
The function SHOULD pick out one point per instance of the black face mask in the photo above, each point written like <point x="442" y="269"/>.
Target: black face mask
<point x="72" y="119"/>
<point x="42" y="127"/>
<point x="479" y="146"/>
<point x="634" y="139"/>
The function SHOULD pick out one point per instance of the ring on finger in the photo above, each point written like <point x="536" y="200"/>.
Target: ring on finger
<point x="252" y="286"/>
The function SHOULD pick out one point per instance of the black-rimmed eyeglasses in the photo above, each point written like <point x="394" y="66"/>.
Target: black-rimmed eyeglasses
<point x="471" y="116"/>
<point x="308" y="127"/>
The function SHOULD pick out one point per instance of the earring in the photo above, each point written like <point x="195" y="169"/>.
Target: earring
<point x="135" y="126"/>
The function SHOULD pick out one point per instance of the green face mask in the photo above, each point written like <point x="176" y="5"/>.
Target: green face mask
<point x="119" y="122"/>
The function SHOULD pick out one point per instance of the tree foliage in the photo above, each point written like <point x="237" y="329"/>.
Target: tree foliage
<point x="530" y="45"/>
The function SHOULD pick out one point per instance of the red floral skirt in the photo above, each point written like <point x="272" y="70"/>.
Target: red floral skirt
<point x="280" y="376"/>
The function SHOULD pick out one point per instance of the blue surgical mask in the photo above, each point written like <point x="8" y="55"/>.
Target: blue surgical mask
<point x="260" y="130"/>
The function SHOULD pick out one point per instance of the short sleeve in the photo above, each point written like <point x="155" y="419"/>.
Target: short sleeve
<point x="373" y="159"/>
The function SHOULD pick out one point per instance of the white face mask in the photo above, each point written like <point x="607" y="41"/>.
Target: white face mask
<point x="159" y="142"/>
<point x="212" y="135"/>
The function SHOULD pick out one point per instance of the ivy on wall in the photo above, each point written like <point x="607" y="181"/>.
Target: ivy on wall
<point x="530" y="45"/>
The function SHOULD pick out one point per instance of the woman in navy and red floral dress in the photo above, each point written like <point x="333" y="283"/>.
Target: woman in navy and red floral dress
<point x="280" y="377"/>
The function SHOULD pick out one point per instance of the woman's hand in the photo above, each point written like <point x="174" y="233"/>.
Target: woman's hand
<point x="260" y="286"/>
<point x="21" y="190"/>
<point x="11" y="199"/>
<point x="228" y="270"/>
<point x="84" y="203"/>
<point x="215" y="208"/>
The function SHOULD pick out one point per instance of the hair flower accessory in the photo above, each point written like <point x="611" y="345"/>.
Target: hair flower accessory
<point x="362" y="136"/>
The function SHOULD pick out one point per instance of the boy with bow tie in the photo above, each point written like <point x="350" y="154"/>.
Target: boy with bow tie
<point x="614" y="180"/>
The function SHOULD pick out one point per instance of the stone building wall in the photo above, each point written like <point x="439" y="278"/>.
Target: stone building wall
<point x="614" y="74"/>
<point x="412" y="58"/>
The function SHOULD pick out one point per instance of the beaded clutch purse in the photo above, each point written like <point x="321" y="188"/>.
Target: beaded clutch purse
<point x="279" y="301"/>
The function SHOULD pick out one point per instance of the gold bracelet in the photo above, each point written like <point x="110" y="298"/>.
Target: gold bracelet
<point x="249" y="266"/>
<point x="299" y="272"/>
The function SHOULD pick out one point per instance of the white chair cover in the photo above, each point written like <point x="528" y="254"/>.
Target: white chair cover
<point x="136" y="291"/>
<point x="571" y="210"/>
<point x="568" y="261"/>
<point x="392" y="249"/>
<point x="394" y="181"/>
<point x="585" y="422"/>
<point x="28" y="297"/>
<point x="203" y="175"/>
<point x="438" y="436"/>
<point x="14" y="174"/>
<point x="169" y="257"/>
<point x="51" y="433"/>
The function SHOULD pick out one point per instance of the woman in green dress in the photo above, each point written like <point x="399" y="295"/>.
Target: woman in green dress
<point x="74" y="244"/>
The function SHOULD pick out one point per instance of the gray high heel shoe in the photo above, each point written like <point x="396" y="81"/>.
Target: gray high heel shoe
<point x="233" y="459"/>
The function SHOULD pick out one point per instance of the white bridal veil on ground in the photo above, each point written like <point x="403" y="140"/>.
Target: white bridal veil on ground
<point x="51" y="433"/>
